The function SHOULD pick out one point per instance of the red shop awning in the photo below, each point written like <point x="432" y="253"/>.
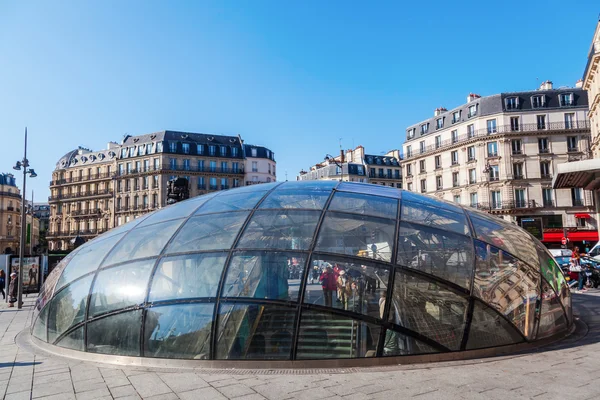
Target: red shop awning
<point x="582" y="215"/>
<point x="590" y="236"/>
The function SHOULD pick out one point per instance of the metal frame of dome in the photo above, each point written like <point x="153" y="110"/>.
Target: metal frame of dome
<point x="483" y="295"/>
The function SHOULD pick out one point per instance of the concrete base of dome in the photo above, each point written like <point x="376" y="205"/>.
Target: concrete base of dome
<point x="33" y="345"/>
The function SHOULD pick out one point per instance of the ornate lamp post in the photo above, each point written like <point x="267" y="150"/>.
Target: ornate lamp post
<point x="331" y="159"/>
<point x="24" y="165"/>
<point x="486" y="171"/>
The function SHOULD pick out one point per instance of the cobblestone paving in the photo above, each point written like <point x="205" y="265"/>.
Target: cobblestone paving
<point x="566" y="370"/>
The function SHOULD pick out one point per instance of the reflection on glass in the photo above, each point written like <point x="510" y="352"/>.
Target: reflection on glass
<point x="565" y="299"/>
<point x="324" y="335"/>
<point x="364" y="204"/>
<point x="552" y="316"/>
<point x="208" y="232"/>
<point x="39" y="328"/>
<point x="87" y="260"/>
<point x="506" y="284"/>
<point x="255" y="332"/>
<point x="116" y="334"/>
<point x="179" y="331"/>
<point x="347" y="285"/>
<point x="73" y="340"/>
<point x="435" y="214"/>
<point x="368" y="188"/>
<point x="68" y="307"/>
<point x="397" y="344"/>
<point x="187" y="276"/>
<point x="122" y="228"/>
<point x="265" y="275"/>
<point x="508" y="237"/>
<point x="550" y="269"/>
<point x="429" y="309"/>
<point x="234" y="201"/>
<point x="436" y="252"/>
<point x="308" y="185"/>
<point x="489" y="329"/>
<point x="120" y="287"/>
<point x="178" y="210"/>
<point x="357" y="235"/>
<point x="48" y="288"/>
<point x="280" y="229"/>
<point x="143" y="242"/>
<point x="313" y="200"/>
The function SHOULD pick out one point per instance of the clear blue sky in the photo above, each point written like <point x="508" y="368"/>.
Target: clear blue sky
<point x="293" y="76"/>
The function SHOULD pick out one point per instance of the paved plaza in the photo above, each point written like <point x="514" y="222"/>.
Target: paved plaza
<point x="564" y="370"/>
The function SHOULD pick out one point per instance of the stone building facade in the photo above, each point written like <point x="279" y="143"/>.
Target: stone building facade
<point x="499" y="153"/>
<point x="10" y="214"/>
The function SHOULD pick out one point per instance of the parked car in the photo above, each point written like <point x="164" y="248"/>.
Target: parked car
<point x="560" y="252"/>
<point x="595" y="252"/>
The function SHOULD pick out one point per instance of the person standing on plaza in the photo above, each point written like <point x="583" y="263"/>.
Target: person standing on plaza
<point x="575" y="258"/>
<point x="325" y="278"/>
<point x="344" y="288"/>
<point x="12" y="289"/>
<point x="2" y="283"/>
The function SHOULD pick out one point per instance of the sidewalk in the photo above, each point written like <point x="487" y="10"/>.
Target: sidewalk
<point x="566" y="370"/>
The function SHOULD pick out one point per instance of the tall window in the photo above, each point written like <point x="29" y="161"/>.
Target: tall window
<point x="438" y="162"/>
<point x="224" y="166"/>
<point x="496" y="199"/>
<point x="422" y="166"/>
<point x="423" y="185"/>
<point x="545" y="170"/>
<point x="512" y="103"/>
<point x="438" y="141"/>
<point x="494" y="173"/>
<point x="547" y="197"/>
<point x="543" y="145"/>
<point x="472" y="176"/>
<point x="235" y="166"/>
<point x="454" y="134"/>
<point x="455" y="116"/>
<point x="422" y="146"/>
<point x="569" y="118"/>
<point x="212" y="150"/>
<point x="254" y="166"/>
<point x="473" y="199"/>
<point x="454" y="155"/>
<point x="408" y="169"/>
<point x="538" y="101"/>
<point x="213" y="183"/>
<point x="541" y="122"/>
<point x="572" y="143"/>
<point x="173" y="147"/>
<point x="200" y="149"/>
<point x="410" y="133"/>
<point x="201" y="183"/>
<point x="223" y="151"/>
<point x="577" y="196"/>
<point x="439" y="123"/>
<point x="156" y="163"/>
<point x="424" y="128"/>
<point x="455" y="179"/>
<point x="520" y="201"/>
<point x="514" y="124"/>
<point x="234" y="152"/>
<point x="146" y="165"/>
<point x="471" y="153"/>
<point x="457" y="199"/>
<point x="200" y="165"/>
<point x="409" y="187"/>
<point x="518" y="171"/>
<point x="438" y="182"/>
<point x="254" y="152"/>
<point x="173" y="163"/>
<point x="155" y="181"/>
<point x="472" y="110"/>
<point x="566" y="99"/>
<point x="491" y="126"/>
<point x="186" y="164"/>
<point x="516" y="146"/>
<point x="492" y="148"/>
<point x="224" y="184"/>
<point x="408" y="151"/>
<point x="213" y="166"/>
<point x="470" y="131"/>
<point x="186" y="148"/>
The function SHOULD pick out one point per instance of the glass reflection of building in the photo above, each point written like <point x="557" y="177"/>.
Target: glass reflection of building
<point x="304" y="270"/>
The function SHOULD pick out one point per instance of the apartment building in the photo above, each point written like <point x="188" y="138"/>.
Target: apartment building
<point x="259" y="164"/>
<point x="499" y="153"/>
<point x="10" y="214"/>
<point x="95" y="191"/>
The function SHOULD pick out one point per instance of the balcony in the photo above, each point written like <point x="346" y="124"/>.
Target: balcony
<point x="508" y="205"/>
<point x="93" y="193"/>
<point x="493" y="178"/>
<point x="548" y="203"/>
<point x="483" y="133"/>
<point x="10" y="208"/>
<point x="10" y="194"/>
<point x="492" y="154"/>
<point x="217" y="170"/>
<point x="572" y="150"/>
<point x="517" y="152"/>
<point x="518" y="176"/>
<point x="546" y="176"/>
<point x="84" y="213"/>
<point x="577" y="202"/>
<point x="83" y="178"/>
<point x="544" y="150"/>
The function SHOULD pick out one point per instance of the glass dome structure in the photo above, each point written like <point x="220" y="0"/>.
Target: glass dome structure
<point x="304" y="270"/>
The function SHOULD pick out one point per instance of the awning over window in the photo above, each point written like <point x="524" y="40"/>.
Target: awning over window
<point x="590" y="236"/>
<point x="582" y="215"/>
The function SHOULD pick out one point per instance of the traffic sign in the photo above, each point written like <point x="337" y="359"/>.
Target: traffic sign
<point x="563" y="240"/>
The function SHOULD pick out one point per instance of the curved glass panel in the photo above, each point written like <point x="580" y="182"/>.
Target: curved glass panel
<point x="87" y="260"/>
<point x="350" y="285"/>
<point x="48" y="288"/>
<point x="507" y="284"/>
<point x="280" y="229"/>
<point x="565" y="299"/>
<point x="429" y="309"/>
<point x="265" y="275"/>
<point x="357" y="235"/>
<point x="143" y="242"/>
<point x="122" y="228"/>
<point x="489" y="329"/>
<point x="550" y="269"/>
<point x="187" y="276"/>
<point x="232" y="201"/>
<point x="120" y="287"/>
<point x="39" y="327"/>
<point x="369" y="188"/>
<point x="505" y="236"/>
<point x="435" y="214"/>
<point x="324" y="335"/>
<point x="208" y="232"/>
<point x="397" y="344"/>
<point x="436" y="252"/>
<point x="178" y="210"/>
<point x="308" y="185"/>
<point x="250" y="331"/>
<point x="179" y="331"/>
<point x="117" y="334"/>
<point x="68" y="307"/>
<point x="364" y="204"/>
<point x="73" y="340"/>
<point x="313" y="200"/>
<point x="552" y="316"/>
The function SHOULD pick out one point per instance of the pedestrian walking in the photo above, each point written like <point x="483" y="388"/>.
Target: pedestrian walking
<point x="575" y="258"/>
<point x="2" y="283"/>
<point x="12" y="289"/>
<point x="325" y="279"/>
<point x="344" y="288"/>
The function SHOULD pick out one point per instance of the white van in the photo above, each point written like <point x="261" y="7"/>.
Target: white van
<point x="595" y="251"/>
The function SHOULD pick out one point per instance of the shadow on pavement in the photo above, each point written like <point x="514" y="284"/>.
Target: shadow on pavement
<point x="18" y="364"/>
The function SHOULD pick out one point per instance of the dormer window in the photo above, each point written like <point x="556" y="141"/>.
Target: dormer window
<point x="455" y="116"/>
<point x="254" y="152"/>
<point x="472" y="110"/>
<point x="173" y="147"/>
<point x="439" y="123"/>
<point x="424" y="128"/>
<point x="124" y="152"/>
<point x="512" y="103"/>
<point x="538" y="101"/>
<point x="411" y="133"/>
<point x="566" y="100"/>
<point x="132" y="151"/>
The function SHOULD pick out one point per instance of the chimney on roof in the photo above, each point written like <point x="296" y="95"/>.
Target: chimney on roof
<point x="579" y="84"/>
<point x="472" y="96"/>
<point x="547" y="85"/>
<point x="438" y="111"/>
<point x="341" y="156"/>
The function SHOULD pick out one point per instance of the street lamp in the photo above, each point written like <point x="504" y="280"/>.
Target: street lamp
<point x="486" y="171"/>
<point x="331" y="159"/>
<point x="23" y="165"/>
